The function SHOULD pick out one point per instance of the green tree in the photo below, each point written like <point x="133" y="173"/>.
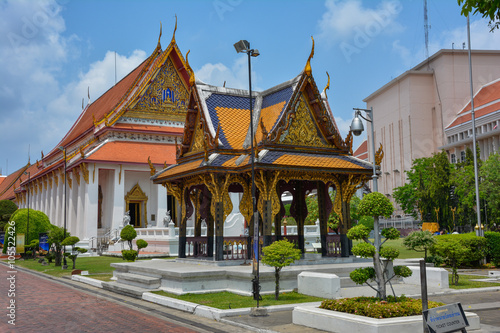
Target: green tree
<point x="7" y="207"/>
<point x="71" y="241"/>
<point x="141" y="244"/>
<point x="278" y="255"/>
<point x="56" y="236"/>
<point x="375" y="204"/>
<point x="128" y="234"/>
<point x="38" y="222"/>
<point x="490" y="186"/>
<point x="488" y="8"/>
<point x="454" y="254"/>
<point x="420" y="241"/>
<point x="428" y="188"/>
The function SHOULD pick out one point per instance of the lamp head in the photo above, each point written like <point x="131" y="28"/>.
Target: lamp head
<point x="357" y="126"/>
<point x="242" y="46"/>
<point x="61" y="148"/>
<point x="255" y="53"/>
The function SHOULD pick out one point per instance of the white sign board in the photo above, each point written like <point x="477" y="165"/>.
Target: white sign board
<point x="447" y="318"/>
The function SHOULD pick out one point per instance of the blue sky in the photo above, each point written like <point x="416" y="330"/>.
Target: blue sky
<point x="52" y="51"/>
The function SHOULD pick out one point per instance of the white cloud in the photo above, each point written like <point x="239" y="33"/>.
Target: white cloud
<point x="37" y="107"/>
<point x="235" y="77"/>
<point x="345" y="20"/>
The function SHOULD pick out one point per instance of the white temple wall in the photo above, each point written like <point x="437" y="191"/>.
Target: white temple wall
<point x="91" y="207"/>
<point x="118" y="197"/>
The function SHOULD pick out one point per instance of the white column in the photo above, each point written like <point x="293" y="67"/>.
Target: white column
<point x="80" y="208"/>
<point x="118" y="199"/>
<point x="58" y="216"/>
<point x="72" y="204"/>
<point x="162" y="204"/>
<point x="91" y="209"/>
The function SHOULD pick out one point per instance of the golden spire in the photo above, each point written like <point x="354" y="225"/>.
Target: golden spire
<point x="327" y="85"/>
<point x="189" y="70"/>
<point x="308" y="64"/>
<point x="175" y="29"/>
<point x="159" y="37"/>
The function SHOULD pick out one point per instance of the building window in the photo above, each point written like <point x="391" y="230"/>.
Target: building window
<point x="462" y="156"/>
<point x="453" y="158"/>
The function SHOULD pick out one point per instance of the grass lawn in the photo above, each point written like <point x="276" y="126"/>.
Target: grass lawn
<point x="464" y="282"/>
<point x="226" y="300"/>
<point x="95" y="265"/>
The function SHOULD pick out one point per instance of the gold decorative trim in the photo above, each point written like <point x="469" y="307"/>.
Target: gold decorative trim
<point x="308" y="69"/>
<point x="76" y="173"/>
<point x="151" y="167"/>
<point x="379" y="155"/>
<point x="136" y="194"/>
<point x="85" y="172"/>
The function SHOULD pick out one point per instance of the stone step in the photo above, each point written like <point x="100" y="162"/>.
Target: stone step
<point x="125" y="289"/>
<point x="141" y="281"/>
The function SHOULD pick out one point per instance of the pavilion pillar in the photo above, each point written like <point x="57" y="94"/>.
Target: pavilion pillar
<point x="210" y="234"/>
<point x="323" y="215"/>
<point x="267" y="219"/>
<point x="277" y="227"/>
<point x="300" y="214"/>
<point x="219" y="230"/>
<point x="183" y="223"/>
<point x="345" y="242"/>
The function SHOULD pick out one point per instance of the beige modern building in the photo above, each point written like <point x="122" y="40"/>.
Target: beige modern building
<point x="412" y="111"/>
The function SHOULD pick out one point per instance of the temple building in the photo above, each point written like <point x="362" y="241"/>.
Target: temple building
<point x="109" y="154"/>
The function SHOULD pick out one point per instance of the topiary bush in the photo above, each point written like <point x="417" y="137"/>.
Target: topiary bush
<point x="476" y="246"/>
<point x="420" y="241"/>
<point x="128" y="233"/>
<point x="129" y="255"/>
<point x="141" y="244"/>
<point x="38" y="222"/>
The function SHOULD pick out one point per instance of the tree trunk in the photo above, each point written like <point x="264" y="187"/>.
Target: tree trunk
<point x="277" y="282"/>
<point x="380" y="277"/>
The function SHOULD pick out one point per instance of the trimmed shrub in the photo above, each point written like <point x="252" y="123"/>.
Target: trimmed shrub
<point x="375" y="308"/>
<point x="475" y="245"/>
<point x="141" y="244"/>
<point x="39" y="222"/>
<point x="128" y="233"/>
<point x="129" y="255"/>
<point x="7" y="208"/>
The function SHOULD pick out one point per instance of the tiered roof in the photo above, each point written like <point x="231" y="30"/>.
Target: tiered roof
<point x="293" y="129"/>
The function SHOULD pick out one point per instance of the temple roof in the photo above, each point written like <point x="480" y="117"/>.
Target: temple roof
<point x="486" y="101"/>
<point x="12" y="182"/>
<point x="294" y="129"/>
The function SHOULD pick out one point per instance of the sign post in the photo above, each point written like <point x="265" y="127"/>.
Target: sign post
<point x="447" y="318"/>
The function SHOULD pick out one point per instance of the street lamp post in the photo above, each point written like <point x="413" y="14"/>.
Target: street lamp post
<point x="357" y="128"/>
<point x="28" y="223"/>
<point x="65" y="264"/>
<point x="243" y="46"/>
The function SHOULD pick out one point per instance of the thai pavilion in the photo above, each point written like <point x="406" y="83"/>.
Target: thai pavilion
<point x="298" y="149"/>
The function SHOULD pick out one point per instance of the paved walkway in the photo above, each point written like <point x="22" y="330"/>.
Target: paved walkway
<point x="44" y="304"/>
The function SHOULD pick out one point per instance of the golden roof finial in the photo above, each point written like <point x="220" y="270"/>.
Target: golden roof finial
<point x="189" y="70"/>
<point x="151" y="167"/>
<point x="175" y="29"/>
<point x="379" y="155"/>
<point x="159" y="37"/>
<point x="308" y="69"/>
<point x="327" y="85"/>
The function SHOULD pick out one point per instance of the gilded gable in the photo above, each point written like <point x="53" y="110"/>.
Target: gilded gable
<point x="166" y="97"/>
<point x="302" y="129"/>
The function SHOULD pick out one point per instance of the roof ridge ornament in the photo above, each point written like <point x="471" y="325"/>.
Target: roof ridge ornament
<point x="175" y="29"/>
<point x="159" y="37"/>
<point x="308" y="69"/>
<point x="327" y="86"/>
<point x="189" y="70"/>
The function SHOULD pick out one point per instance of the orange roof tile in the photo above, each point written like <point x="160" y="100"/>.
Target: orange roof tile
<point x="268" y="116"/>
<point x="488" y="93"/>
<point x="177" y="169"/>
<point x="316" y="162"/>
<point x="466" y="117"/>
<point x="234" y="123"/>
<point x="11" y="182"/>
<point x="102" y="106"/>
<point x="362" y="151"/>
<point x="134" y="152"/>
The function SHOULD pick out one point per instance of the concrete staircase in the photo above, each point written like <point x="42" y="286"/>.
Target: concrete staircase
<point x="132" y="284"/>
